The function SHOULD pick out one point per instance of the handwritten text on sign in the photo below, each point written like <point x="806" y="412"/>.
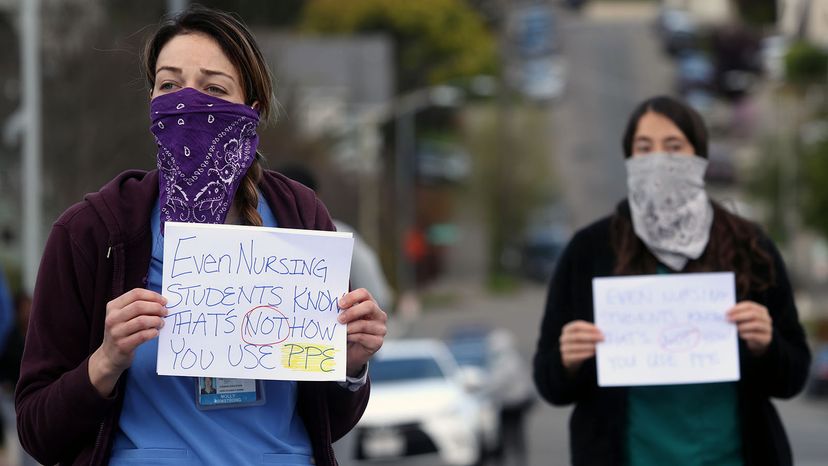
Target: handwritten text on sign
<point x="665" y="329"/>
<point x="253" y="302"/>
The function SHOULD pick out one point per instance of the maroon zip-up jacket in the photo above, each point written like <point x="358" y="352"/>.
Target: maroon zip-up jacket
<point x="97" y="250"/>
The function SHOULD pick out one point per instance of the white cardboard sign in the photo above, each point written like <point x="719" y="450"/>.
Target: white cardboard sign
<point x="665" y="329"/>
<point x="253" y="302"/>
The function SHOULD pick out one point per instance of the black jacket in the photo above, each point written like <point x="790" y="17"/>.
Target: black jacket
<point x="599" y="420"/>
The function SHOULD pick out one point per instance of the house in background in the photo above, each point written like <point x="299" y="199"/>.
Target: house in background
<point x="806" y="19"/>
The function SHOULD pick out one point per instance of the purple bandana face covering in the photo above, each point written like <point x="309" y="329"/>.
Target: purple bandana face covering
<point x="205" y="146"/>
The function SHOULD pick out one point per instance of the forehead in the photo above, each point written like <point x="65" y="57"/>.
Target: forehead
<point x="195" y="50"/>
<point x="656" y="125"/>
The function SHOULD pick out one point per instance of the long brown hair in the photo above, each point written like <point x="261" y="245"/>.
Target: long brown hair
<point x="237" y="43"/>
<point x="734" y="243"/>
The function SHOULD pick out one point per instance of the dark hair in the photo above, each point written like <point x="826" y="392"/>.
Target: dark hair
<point x="237" y="43"/>
<point x="682" y="115"/>
<point x="735" y="243"/>
<point x="234" y="39"/>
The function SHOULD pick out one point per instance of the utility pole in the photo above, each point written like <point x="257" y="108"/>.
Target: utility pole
<point x="502" y="224"/>
<point x="32" y="169"/>
<point x="404" y="110"/>
<point x="405" y="138"/>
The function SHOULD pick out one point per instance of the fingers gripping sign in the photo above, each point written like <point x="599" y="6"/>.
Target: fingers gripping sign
<point x="131" y="319"/>
<point x="366" y="328"/>
<point x="755" y="325"/>
<point x="577" y="343"/>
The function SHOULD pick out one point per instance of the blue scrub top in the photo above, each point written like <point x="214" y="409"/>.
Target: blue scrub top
<point x="160" y="423"/>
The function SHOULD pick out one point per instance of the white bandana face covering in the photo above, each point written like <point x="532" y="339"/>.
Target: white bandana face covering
<point x="671" y="212"/>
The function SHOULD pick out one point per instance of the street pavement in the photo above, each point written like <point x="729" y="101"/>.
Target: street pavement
<point x="614" y="62"/>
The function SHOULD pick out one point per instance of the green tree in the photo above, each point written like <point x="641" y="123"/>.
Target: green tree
<point x="757" y="12"/>
<point x="815" y="184"/>
<point x="436" y="40"/>
<point x="805" y="64"/>
<point x="764" y="183"/>
<point x="807" y="176"/>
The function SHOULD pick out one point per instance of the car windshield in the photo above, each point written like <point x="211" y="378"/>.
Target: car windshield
<point x="394" y="370"/>
<point x="469" y="352"/>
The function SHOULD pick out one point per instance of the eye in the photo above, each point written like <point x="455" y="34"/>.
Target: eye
<point x="642" y="148"/>
<point x="166" y="86"/>
<point x="216" y="90"/>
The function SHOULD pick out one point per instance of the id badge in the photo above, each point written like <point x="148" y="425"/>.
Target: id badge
<point x="217" y="393"/>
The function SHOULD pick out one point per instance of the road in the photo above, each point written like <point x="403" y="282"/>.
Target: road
<point x="614" y="62"/>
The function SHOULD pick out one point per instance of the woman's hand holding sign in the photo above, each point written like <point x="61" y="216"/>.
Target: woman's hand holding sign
<point x="754" y="323"/>
<point x="578" y="340"/>
<point x="366" y="328"/>
<point x="131" y="319"/>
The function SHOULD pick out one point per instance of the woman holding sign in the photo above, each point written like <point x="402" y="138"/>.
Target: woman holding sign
<point x="89" y="392"/>
<point x="669" y="225"/>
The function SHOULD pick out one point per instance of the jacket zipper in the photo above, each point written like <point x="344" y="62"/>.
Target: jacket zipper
<point x="96" y="452"/>
<point x="97" y="442"/>
<point x="101" y="425"/>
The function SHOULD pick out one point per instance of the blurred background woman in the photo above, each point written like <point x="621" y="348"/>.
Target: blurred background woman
<point x="666" y="225"/>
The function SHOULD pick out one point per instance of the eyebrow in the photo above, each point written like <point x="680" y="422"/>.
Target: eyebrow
<point x="168" y="68"/>
<point x="205" y="71"/>
<point x="216" y="73"/>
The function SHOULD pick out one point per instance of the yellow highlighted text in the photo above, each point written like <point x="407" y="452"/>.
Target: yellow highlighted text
<point x="308" y="357"/>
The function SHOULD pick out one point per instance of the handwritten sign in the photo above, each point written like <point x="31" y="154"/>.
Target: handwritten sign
<point x="253" y="302"/>
<point x="665" y="329"/>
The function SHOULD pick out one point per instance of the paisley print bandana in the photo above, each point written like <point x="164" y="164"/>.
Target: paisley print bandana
<point x="671" y="212"/>
<point x="205" y="146"/>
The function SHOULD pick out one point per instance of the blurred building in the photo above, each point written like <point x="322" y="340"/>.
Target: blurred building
<point x="331" y="79"/>
<point x="706" y="13"/>
<point x="806" y="19"/>
<point x="339" y="89"/>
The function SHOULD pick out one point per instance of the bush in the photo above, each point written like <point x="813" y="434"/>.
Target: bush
<point x="806" y="63"/>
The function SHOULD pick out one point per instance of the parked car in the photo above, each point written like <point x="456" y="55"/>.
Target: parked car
<point x="737" y="54"/>
<point x="677" y="29"/>
<point x="773" y="50"/>
<point x="543" y="79"/>
<point x="818" y="385"/>
<point x="541" y="250"/>
<point x="534" y="31"/>
<point x="508" y="385"/>
<point x="544" y="239"/>
<point x="694" y="72"/>
<point x="420" y="408"/>
<point x="574" y="4"/>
